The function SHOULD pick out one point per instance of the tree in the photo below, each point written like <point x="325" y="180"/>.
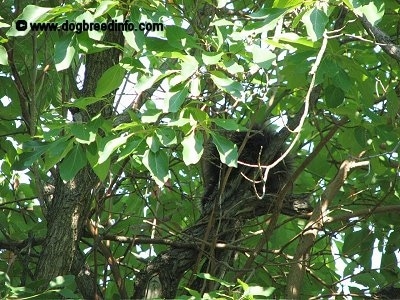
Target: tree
<point x="103" y="132"/>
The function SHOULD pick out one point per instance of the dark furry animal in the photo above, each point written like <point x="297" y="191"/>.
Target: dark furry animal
<point x="253" y="153"/>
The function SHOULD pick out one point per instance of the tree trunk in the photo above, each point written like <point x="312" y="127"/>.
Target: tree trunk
<point x="71" y="202"/>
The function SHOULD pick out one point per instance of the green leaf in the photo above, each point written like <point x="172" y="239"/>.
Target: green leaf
<point x="393" y="103"/>
<point x="287" y="3"/>
<point x="135" y="39"/>
<point x="147" y="81"/>
<point x="372" y="10"/>
<point x="173" y="102"/>
<point x="195" y="87"/>
<point x="62" y="281"/>
<point x="92" y="155"/>
<point x="151" y="115"/>
<point x="228" y="152"/>
<point x="211" y="58"/>
<point x="315" y="21"/>
<point x="213" y="278"/>
<point x="57" y="151"/>
<point x="262" y="57"/>
<point x="3" y="56"/>
<point x="226" y="84"/>
<point x="192" y="147"/>
<point x="153" y="143"/>
<point x="111" y="146"/>
<point x="64" y="52"/>
<point x="178" y="38"/>
<point x="166" y="136"/>
<point x="189" y="66"/>
<point x="158" y="165"/>
<point x="83" y="102"/>
<point x="232" y="67"/>
<point x="30" y="14"/>
<point x="229" y="124"/>
<point x="32" y="152"/>
<point x="159" y="45"/>
<point x="104" y="7"/>
<point x="110" y="80"/>
<point x="83" y="133"/>
<point x="334" y="96"/>
<point x="73" y="163"/>
<point x="365" y="279"/>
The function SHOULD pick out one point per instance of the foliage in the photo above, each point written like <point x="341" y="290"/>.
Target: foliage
<point x="216" y="67"/>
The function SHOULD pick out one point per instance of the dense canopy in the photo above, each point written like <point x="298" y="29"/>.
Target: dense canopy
<point x="105" y="136"/>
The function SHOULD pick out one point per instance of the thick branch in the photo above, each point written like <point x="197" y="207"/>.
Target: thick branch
<point x="384" y="41"/>
<point x="302" y="256"/>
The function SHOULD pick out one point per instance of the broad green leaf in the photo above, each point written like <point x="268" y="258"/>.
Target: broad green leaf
<point x="194" y="293"/>
<point x="159" y="45"/>
<point x="158" y="164"/>
<point x="342" y="80"/>
<point x="268" y="14"/>
<point x="83" y="133"/>
<point x="30" y="14"/>
<point x="111" y="146"/>
<point x="229" y="124"/>
<point x="57" y="151"/>
<point x="192" y="147"/>
<point x="287" y="3"/>
<point x="221" y="22"/>
<point x="228" y="152"/>
<point x="263" y="57"/>
<point x="315" y="21"/>
<point x="135" y="39"/>
<point x="64" y="52"/>
<point x="151" y="115"/>
<point x="293" y="38"/>
<point x="83" y="102"/>
<point x="179" y="122"/>
<point x="32" y="152"/>
<point x="211" y="58"/>
<point x="372" y="10"/>
<point x="110" y="80"/>
<point x="173" y="102"/>
<point x="86" y="17"/>
<point x="189" y="67"/>
<point x="104" y="7"/>
<point x="365" y="279"/>
<point x="334" y="96"/>
<point x="92" y="155"/>
<point x="195" y="87"/>
<point x="232" y="67"/>
<point x="178" y="38"/>
<point x="132" y="147"/>
<point x="361" y="135"/>
<point x="227" y="84"/>
<point x="154" y="143"/>
<point x="62" y="281"/>
<point x="3" y="56"/>
<point x="73" y="163"/>
<point x="166" y="136"/>
<point x="213" y="278"/>
<point x="147" y="81"/>
<point x="393" y="103"/>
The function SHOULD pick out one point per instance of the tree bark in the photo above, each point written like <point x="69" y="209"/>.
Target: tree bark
<point x="171" y="265"/>
<point x="71" y="202"/>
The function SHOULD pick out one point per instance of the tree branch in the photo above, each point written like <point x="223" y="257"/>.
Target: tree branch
<point x="316" y="223"/>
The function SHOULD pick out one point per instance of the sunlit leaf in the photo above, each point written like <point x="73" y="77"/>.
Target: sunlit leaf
<point x="228" y="152"/>
<point x="192" y="147"/>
